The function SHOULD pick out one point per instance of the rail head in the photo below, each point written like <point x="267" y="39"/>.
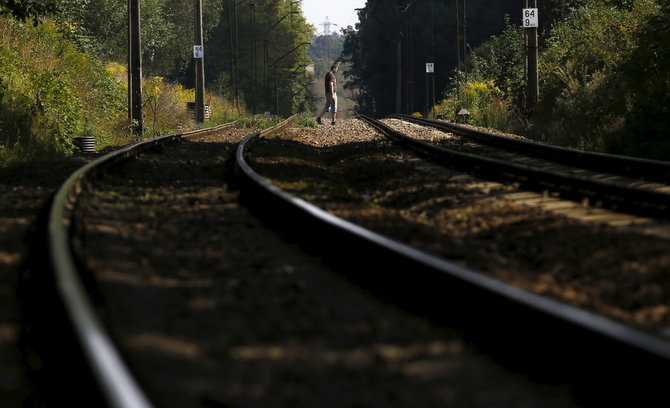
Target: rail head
<point x="119" y="387"/>
<point x="588" y="321"/>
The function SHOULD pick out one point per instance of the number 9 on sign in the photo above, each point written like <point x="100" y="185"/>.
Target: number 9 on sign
<point x="530" y="18"/>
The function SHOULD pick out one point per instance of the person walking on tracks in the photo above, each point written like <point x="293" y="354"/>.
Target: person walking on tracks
<point x="331" y="95"/>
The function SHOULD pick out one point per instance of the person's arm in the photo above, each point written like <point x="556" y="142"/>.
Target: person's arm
<point x="332" y="84"/>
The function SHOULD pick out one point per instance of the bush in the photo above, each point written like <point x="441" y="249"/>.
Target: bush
<point x="581" y="104"/>
<point x="486" y="103"/>
<point x="306" y="119"/>
<point x="50" y="92"/>
<point x="259" y="121"/>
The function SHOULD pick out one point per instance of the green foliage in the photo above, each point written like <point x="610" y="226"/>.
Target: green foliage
<point x="259" y="121"/>
<point x="642" y="84"/>
<point x="305" y="119"/>
<point x="325" y="50"/>
<point x="285" y="37"/>
<point x="484" y="101"/>
<point x="167" y="30"/>
<point x="50" y="92"/>
<point x="372" y="50"/>
<point x="501" y="59"/>
<point x="25" y="9"/>
<point x="602" y="63"/>
<point x="582" y="56"/>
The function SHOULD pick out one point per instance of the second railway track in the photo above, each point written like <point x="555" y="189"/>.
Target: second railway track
<point x="212" y="308"/>
<point x="606" y="187"/>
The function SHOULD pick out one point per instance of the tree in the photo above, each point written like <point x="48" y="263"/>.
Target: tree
<point x="167" y="30"/>
<point x="26" y="9"/>
<point x="643" y="85"/>
<point x="285" y="37"/>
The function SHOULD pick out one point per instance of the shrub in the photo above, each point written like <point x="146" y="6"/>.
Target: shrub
<point x="259" y="121"/>
<point x="486" y="103"/>
<point x="306" y="119"/>
<point x="50" y="92"/>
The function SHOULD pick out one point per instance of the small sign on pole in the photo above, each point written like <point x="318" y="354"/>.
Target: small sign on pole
<point x="430" y="67"/>
<point x="530" y="18"/>
<point x="198" y="51"/>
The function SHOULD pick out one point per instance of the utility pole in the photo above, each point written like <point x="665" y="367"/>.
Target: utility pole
<point x="265" y="64"/>
<point x="129" y="71"/>
<point x="430" y="65"/>
<point x="199" y="64"/>
<point x="254" y="73"/>
<point x="409" y="104"/>
<point x="236" y="50"/>
<point x="465" y="41"/>
<point x="398" y="87"/>
<point x="135" y="68"/>
<point x="458" y="49"/>
<point x="233" y="48"/>
<point x="530" y="24"/>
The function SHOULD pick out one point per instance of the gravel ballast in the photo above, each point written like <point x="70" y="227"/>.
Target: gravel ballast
<point x="214" y="309"/>
<point x="616" y="271"/>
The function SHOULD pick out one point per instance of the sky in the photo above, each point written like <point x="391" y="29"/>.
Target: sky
<point x="340" y="12"/>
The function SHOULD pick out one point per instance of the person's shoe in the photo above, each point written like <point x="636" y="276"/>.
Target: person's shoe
<point x="318" y="120"/>
<point x="332" y="123"/>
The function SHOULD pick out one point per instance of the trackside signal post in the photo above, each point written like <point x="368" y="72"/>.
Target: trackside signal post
<point x="530" y="25"/>
<point x="199" y="57"/>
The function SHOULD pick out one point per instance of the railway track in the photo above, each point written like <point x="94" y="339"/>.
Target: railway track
<point x="613" y="164"/>
<point x="366" y="197"/>
<point x="564" y="175"/>
<point x="97" y="360"/>
<point x="383" y="265"/>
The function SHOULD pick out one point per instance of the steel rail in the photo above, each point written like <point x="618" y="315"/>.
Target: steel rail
<point x="617" y="197"/>
<point x="616" y="164"/>
<point x="119" y="387"/>
<point x="414" y="261"/>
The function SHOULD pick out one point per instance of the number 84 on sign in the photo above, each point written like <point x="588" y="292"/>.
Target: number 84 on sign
<point x="530" y="18"/>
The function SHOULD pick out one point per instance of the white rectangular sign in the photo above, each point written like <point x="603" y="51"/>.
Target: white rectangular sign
<point x="198" y="51"/>
<point x="430" y="67"/>
<point x="530" y="18"/>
